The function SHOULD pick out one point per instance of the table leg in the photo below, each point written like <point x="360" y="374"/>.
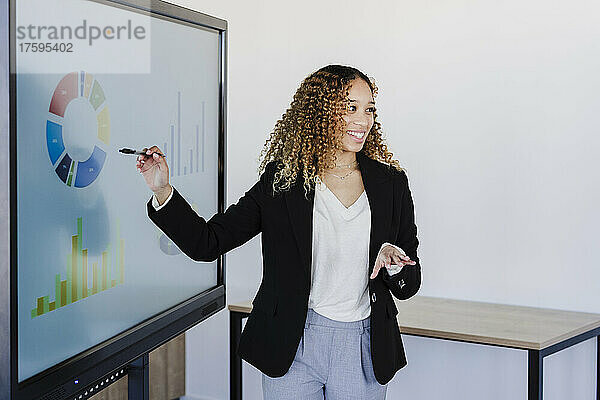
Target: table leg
<point x="535" y="381"/>
<point x="235" y="361"/>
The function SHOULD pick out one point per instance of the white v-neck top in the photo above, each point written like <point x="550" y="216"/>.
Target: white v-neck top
<point x="340" y="256"/>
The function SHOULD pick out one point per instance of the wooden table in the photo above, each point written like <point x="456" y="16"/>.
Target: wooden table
<point x="540" y="331"/>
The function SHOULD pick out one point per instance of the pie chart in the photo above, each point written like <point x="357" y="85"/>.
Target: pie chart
<point x="72" y="172"/>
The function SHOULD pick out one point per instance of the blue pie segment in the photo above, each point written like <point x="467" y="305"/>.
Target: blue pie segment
<point x="88" y="170"/>
<point x="55" y="140"/>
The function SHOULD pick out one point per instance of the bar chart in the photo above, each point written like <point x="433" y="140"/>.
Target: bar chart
<point x="76" y="285"/>
<point x="173" y="148"/>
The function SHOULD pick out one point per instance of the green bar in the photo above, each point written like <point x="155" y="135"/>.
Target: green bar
<point x="79" y="233"/>
<point x="63" y="293"/>
<point x="57" y="290"/>
<point x="70" y="174"/>
<point x="75" y="269"/>
<point x="34" y="313"/>
<point x="40" y="305"/>
<point x="46" y="304"/>
<point x="94" y="278"/>
<point x="84" y="278"/>
<point x="80" y="283"/>
<point x="69" y="277"/>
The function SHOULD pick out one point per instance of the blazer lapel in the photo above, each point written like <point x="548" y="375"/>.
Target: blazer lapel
<point x="379" y="190"/>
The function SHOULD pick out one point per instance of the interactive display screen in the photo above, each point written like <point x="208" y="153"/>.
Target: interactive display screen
<point x="90" y="262"/>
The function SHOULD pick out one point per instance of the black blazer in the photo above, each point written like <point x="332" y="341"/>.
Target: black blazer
<point x="276" y="324"/>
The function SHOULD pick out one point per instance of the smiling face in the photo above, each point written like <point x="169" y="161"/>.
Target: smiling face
<point x="359" y="117"/>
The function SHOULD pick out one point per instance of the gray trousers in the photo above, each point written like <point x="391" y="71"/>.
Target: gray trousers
<point x="332" y="362"/>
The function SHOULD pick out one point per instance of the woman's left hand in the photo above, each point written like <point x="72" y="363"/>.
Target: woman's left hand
<point x="386" y="256"/>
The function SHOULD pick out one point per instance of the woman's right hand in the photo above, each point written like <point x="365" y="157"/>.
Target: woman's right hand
<point x="155" y="170"/>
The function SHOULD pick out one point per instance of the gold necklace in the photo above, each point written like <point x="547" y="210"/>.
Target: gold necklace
<point x="347" y="165"/>
<point x="341" y="177"/>
<point x="344" y="165"/>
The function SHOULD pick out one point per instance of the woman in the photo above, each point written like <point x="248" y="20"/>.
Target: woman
<point x="332" y="216"/>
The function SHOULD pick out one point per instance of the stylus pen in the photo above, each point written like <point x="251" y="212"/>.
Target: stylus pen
<point x="137" y="152"/>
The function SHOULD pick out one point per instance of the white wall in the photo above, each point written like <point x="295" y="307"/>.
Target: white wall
<point x="493" y="107"/>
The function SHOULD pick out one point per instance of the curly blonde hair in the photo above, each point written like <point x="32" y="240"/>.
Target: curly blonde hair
<point x="305" y="139"/>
